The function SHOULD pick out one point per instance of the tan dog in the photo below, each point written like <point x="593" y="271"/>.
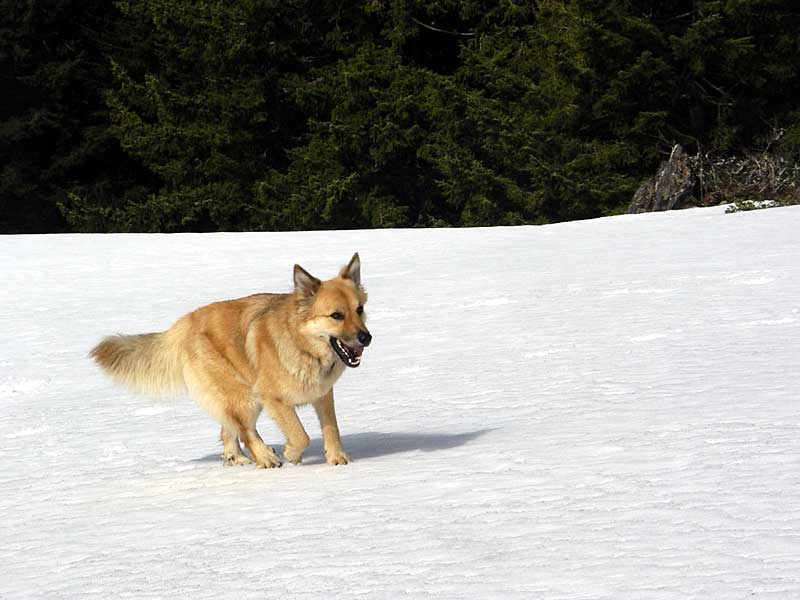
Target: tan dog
<point x="272" y="351"/>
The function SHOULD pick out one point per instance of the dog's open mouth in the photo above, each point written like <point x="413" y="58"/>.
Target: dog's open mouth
<point x="350" y="356"/>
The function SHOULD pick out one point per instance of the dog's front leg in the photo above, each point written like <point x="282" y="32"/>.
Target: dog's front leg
<point x="286" y="418"/>
<point x="334" y="453"/>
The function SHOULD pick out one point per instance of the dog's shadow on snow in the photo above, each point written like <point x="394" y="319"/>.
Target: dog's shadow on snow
<point x="376" y="444"/>
<point x="364" y="446"/>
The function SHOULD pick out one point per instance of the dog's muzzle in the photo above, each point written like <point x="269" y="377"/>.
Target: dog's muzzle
<point x="350" y="355"/>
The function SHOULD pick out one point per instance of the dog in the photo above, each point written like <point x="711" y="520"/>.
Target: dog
<point x="265" y="351"/>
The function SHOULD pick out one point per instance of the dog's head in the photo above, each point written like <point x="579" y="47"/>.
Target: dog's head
<point x="333" y="311"/>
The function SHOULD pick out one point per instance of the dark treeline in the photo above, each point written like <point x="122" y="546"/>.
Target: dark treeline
<point x="177" y="115"/>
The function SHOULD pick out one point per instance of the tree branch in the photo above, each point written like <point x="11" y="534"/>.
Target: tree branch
<point x="436" y="29"/>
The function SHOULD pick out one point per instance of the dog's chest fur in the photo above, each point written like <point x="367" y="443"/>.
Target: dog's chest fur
<point x="310" y="379"/>
<point x="289" y="373"/>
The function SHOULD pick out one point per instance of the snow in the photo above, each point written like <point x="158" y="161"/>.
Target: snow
<point x="596" y="409"/>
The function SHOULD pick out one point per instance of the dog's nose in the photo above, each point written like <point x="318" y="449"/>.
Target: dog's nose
<point x="364" y="338"/>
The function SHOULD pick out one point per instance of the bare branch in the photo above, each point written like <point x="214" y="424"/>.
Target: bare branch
<point x="436" y="29"/>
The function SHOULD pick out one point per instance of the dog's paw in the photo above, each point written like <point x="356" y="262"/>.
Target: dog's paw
<point x="235" y="460"/>
<point x="293" y="455"/>
<point x="336" y="456"/>
<point x="270" y="460"/>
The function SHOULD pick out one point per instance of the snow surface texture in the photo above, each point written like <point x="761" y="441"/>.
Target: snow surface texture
<point x="597" y="409"/>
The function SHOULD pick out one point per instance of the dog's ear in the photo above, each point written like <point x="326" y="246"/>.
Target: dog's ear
<point x="305" y="283"/>
<point x="352" y="270"/>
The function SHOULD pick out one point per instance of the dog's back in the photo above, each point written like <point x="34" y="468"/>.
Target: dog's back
<point x="152" y="363"/>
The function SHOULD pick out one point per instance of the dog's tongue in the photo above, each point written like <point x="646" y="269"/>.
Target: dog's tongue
<point x="357" y="350"/>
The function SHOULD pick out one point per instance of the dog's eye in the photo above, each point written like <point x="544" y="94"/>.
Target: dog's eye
<point x="360" y="310"/>
<point x="338" y="316"/>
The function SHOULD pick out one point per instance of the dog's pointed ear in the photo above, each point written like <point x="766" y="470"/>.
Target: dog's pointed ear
<point x="352" y="270"/>
<point x="305" y="283"/>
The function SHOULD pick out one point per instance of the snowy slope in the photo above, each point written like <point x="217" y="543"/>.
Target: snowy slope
<point x="597" y="409"/>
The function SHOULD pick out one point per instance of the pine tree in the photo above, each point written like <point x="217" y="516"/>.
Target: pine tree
<point x="52" y="128"/>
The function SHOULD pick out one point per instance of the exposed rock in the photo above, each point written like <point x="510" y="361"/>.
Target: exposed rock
<point x="674" y="185"/>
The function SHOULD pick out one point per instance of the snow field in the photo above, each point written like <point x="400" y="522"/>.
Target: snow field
<point x="596" y="409"/>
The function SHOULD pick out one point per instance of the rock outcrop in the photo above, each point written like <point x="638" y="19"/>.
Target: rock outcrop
<point x="675" y="185"/>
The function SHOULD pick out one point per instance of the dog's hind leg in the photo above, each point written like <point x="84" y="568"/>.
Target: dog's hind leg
<point x="264" y="455"/>
<point x="232" y="452"/>
<point x="224" y="394"/>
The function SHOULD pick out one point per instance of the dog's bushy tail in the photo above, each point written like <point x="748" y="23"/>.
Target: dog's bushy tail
<point x="149" y="363"/>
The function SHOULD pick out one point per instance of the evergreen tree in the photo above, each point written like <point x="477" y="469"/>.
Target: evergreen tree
<point x="175" y="115"/>
<point x="53" y="128"/>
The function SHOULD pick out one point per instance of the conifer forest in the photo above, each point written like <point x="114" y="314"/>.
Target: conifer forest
<point x="211" y="115"/>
